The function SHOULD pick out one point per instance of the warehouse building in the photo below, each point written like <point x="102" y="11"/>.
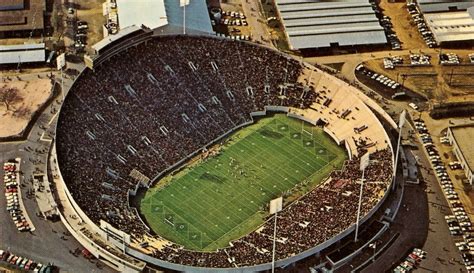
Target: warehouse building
<point x="24" y="53"/>
<point x="21" y="18"/>
<point x="427" y="6"/>
<point x="448" y="27"/>
<point x="460" y="137"/>
<point x="318" y="24"/>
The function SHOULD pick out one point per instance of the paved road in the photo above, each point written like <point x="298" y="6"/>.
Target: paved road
<point x="45" y="243"/>
<point x="421" y="221"/>
<point x="421" y="224"/>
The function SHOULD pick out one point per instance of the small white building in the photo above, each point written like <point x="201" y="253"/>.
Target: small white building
<point x="460" y="137"/>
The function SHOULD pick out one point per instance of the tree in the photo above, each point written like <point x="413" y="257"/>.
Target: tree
<point x="10" y="96"/>
<point x="22" y="112"/>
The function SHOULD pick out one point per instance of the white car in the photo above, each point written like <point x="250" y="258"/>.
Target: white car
<point x="452" y="197"/>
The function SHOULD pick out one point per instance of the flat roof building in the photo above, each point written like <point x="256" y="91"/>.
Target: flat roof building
<point x="25" y="53"/>
<point x="451" y="26"/>
<point x="460" y="137"/>
<point x="315" y="24"/>
<point x="427" y="6"/>
<point x="165" y="15"/>
<point x="21" y="16"/>
<point x="12" y="4"/>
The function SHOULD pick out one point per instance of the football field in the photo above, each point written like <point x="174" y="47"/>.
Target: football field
<point x="225" y="196"/>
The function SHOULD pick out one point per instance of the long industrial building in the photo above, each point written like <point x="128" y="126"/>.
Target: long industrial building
<point x="317" y="24"/>
<point x="427" y="6"/>
<point x="24" y="53"/>
<point x="21" y="17"/>
<point x="448" y="27"/>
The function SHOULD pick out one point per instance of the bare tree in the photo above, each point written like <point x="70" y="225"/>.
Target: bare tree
<point x="22" y="112"/>
<point x="10" y="96"/>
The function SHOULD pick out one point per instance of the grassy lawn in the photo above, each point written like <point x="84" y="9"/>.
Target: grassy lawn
<point x="221" y="198"/>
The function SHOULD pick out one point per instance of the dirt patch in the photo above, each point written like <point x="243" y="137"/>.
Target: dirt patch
<point x="440" y="83"/>
<point x="33" y="94"/>
<point x="91" y="12"/>
<point x="405" y="28"/>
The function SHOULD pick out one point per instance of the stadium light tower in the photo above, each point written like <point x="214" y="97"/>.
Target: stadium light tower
<point x="401" y="122"/>
<point x="364" y="162"/>
<point x="184" y="3"/>
<point x="61" y="63"/>
<point x="276" y="205"/>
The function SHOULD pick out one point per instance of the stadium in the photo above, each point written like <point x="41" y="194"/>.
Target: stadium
<point x="170" y="148"/>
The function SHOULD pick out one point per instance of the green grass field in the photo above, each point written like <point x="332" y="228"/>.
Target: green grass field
<point x="211" y="202"/>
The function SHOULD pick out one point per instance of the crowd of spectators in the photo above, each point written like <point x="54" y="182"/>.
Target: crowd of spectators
<point x="148" y="107"/>
<point x="315" y="218"/>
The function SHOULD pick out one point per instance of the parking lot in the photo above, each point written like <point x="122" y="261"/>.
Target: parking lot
<point x="50" y="242"/>
<point x="458" y="220"/>
<point x="428" y="77"/>
<point x="11" y="181"/>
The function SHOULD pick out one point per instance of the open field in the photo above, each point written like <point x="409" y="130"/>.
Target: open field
<point x="225" y="196"/>
<point x="443" y="83"/>
<point x="32" y="94"/>
<point x="91" y="12"/>
<point x="403" y="25"/>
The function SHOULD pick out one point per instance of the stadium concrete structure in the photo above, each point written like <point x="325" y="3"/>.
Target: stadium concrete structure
<point x="105" y="148"/>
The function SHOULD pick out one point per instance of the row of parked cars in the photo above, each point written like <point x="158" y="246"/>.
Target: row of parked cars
<point x="449" y="58"/>
<point x="384" y="80"/>
<point x="233" y="18"/>
<point x="234" y="22"/>
<point x="420" y="59"/>
<point x="25" y="263"/>
<point x="12" y="197"/>
<point x="234" y="37"/>
<point x="455" y="165"/>
<point x="413" y="259"/>
<point x="459" y="222"/>
<point x="80" y="34"/>
<point x="392" y="37"/>
<point x="435" y="159"/>
<point x="421" y="24"/>
<point x="391" y="62"/>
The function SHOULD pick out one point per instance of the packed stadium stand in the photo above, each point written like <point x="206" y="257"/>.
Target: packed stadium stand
<point x="147" y="108"/>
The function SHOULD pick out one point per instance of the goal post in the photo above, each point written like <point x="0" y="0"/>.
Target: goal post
<point x="168" y="222"/>
<point x="303" y="129"/>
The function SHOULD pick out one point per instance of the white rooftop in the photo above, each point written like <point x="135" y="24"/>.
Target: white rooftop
<point x="112" y="38"/>
<point x="26" y="53"/>
<point x="444" y="5"/>
<point x="313" y="23"/>
<point x="452" y="26"/>
<point x="156" y="14"/>
<point x="150" y="13"/>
